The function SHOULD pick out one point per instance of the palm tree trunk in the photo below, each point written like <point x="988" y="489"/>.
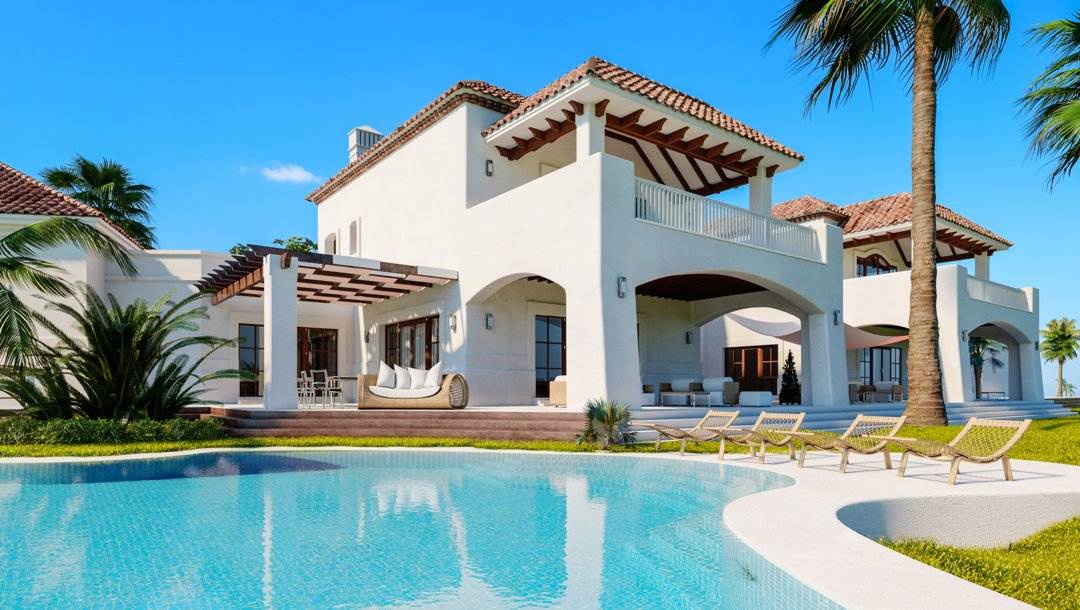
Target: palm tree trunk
<point x="925" y="403"/>
<point x="1061" y="378"/>
<point x="978" y="381"/>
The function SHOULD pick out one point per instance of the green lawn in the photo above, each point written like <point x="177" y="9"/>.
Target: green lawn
<point x="1043" y="570"/>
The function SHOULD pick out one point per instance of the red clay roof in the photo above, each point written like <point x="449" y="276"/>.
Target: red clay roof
<point x="505" y="101"/>
<point x="22" y="194"/>
<point x="877" y="213"/>
<point x="808" y="207"/>
<point x="641" y="85"/>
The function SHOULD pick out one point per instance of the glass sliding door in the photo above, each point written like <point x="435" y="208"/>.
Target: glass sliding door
<point x="412" y="343"/>
<point x="550" y="352"/>
<point x="250" y="351"/>
<point x="316" y="350"/>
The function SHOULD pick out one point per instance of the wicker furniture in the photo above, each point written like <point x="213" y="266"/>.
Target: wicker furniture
<point x="711" y="427"/>
<point x="453" y="394"/>
<point x="981" y="441"/>
<point x="859" y="437"/>
<point x="770" y="429"/>
<point x="557" y="391"/>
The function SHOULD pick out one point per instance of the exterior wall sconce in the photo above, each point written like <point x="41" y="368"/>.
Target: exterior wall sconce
<point x="689" y="337"/>
<point x="621" y="286"/>
<point x="836" y="317"/>
<point x="963" y="335"/>
<point x="367" y="334"/>
<point x="489" y="321"/>
<point x="453" y="324"/>
<point x="489" y="167"/>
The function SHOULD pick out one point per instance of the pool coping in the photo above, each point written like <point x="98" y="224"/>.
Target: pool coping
<point x="798" y="527"/>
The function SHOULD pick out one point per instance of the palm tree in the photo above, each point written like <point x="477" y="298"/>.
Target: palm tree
<point x="1053" y="99"/>
<point x="20" y="268"/>
<point x="109" y="188"/>
<point x="982" y="350"/>
<point x="1060" y="343"/>
<point x="923" y="39"/>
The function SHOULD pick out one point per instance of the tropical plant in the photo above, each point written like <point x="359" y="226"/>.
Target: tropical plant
<point x="606" y="422"/>
<point x="983" y="350"/>
<point x="239" y="248"/>
<point x="1053" y="98"/>
<point x="121" y="363"/>
<point x="109" y="188"/>
<point x="296" y="244"/>
<point x="20" y="267"/>
<point x="923" y="39"/>
<point x="790" y="388"/>
<point x="1060" y="343"/>
<point x="1068" y="390"/>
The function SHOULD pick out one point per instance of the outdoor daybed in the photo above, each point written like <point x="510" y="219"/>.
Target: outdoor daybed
<point x="452" y="392"/>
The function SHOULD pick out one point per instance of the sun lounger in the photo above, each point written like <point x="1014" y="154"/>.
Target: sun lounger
<point x="982" y="441"/>
<point x="770" y="429"/>
<point x="711" y="427"/>
<point x="859" y="437"/>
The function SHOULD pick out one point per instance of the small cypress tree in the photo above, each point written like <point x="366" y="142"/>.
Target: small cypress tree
<point x="790" y="389"/>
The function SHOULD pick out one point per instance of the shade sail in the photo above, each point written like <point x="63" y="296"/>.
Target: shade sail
<point x="854" y="338"/>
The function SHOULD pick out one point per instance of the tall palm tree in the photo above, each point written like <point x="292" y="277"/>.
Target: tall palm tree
<point x="109" y="188"/>
<point x="981" y="351"/>
<point x="1060" y="343"/>
<point x="20" y="267"/>
<point x="923" y="39"/>
<point x="1053" y="99"/>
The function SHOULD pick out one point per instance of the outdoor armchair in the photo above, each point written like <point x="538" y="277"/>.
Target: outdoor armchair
<point x="859" y="437"/>
<point x="981" y="441"/>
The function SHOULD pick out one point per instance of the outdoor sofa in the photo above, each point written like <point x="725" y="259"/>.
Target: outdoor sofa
<point x="436" y="391"/>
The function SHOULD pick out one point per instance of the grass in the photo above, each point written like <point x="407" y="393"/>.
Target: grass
<point x="1042" y="570"/>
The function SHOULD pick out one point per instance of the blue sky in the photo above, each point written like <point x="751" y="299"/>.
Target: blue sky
<point x="214" y="103"/>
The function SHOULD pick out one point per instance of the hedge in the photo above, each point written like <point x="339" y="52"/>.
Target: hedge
<point x="27" y="431"/>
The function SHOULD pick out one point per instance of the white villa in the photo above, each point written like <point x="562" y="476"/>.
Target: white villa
<point x="574" y="232"/>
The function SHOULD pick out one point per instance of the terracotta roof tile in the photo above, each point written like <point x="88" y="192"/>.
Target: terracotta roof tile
<point x="474" y="91"/>
<point x="22" y="194"/>
<point x="808" y="207"/>
<point x="641" y="85"/>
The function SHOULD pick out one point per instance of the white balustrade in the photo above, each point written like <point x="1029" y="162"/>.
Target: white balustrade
<point x="998" y="294"/>
<point x="677" y="209"/>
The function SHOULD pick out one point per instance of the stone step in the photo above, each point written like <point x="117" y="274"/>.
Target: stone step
<point x="377" y="414"/>
<point x="414" y="424"/>
<point x="520" y="435"/>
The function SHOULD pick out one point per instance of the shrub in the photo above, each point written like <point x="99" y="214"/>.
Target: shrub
<point x="606" y="422"/>
<point x="22" y="430"/>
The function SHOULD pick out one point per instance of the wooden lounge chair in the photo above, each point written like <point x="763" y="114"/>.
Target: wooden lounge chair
<point x="981" y="441"/>
<point x="859" y="437"/>
<point x="770" y="429"/>
<point x="711" y="427"/>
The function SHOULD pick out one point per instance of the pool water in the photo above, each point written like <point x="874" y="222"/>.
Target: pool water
<point x="354" y="529"/>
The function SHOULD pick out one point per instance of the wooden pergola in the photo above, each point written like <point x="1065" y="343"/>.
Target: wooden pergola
<point x="322" y="278"/>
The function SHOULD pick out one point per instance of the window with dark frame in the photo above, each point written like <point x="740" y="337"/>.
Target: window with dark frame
<point x="316" y="350"/>
<point x="412" y="343"/>
<point x="755" y="367"/>
<point x="875" y="264"/>
<point x="881" y="364"/>
<point x="550" y="359"/>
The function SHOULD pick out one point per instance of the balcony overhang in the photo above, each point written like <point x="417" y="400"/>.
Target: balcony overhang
<point x="322" y="278"/>
<point x="954" y="243"/>
<point x="670" y="147"/>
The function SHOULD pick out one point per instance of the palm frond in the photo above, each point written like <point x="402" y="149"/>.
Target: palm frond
<point x="1053" y="98"/>
<point x="18" y="343"/>
<point x="52" y="232"/>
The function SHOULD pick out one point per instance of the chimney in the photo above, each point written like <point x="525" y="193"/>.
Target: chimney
<point x="361" y="139"/>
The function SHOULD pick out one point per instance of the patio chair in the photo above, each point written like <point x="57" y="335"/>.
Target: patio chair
<point x="859" y="437"/>
<point x="681" y="390"/>
<point x="770" y="429"/>
<point x="320" y="379"/>
<point x="333" y="390"/>
<point x="305" y="391"/>
<point x="981" y="441"/>
<point x="710" y="428"/>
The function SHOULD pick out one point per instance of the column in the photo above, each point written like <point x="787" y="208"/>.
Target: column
<point x="602" y="349"/>
<point x="589" y="132"/>
<point x="957" y="375"/>
<point x="279" y="332"/>
<point x="827" y="357"/>
<point x="761" y="194"/>
<point x="982" y="266"/>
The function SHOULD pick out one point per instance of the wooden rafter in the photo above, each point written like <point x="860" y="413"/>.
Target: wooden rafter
<point x="900" y="251"/>
<point x="237" y="286"/>
<point x="640" y="151"/>
<point x="970" y="245"/>
<point x="674" y="168"/>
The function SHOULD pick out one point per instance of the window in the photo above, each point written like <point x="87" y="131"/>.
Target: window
<point x="316" y="349"/>
<point x="330" y="244"/>
<point x="550" y="352"/>
<point x="413" y="343"/>
<point x="881" y="364"/>
<point x="875" y="264"/>
<point x="354" y="238"/>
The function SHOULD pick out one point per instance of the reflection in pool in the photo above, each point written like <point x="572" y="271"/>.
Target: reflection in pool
<point x="383" y="528"/>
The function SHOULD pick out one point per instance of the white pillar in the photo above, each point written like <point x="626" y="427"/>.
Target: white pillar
<point x="828" y="360"/>
<point x="602" y="349"/>
<point x="761" y="194"/>
<point x="589" y="132"/>
<point x="279" y="333"/>
<point x="957" y="375"/>
<point x="982" y="266"/>
<point x="1031" y="387"/>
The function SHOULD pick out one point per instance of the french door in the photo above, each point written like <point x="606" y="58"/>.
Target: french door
<point x="550" y="352"/>
<point x="756" y="368"/>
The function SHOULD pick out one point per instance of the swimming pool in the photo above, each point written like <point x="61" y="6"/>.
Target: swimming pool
<point x="383" y="528"/>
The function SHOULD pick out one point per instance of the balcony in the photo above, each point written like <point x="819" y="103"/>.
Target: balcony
<point x="676" y="209"/>
<point x="997" y="294"/>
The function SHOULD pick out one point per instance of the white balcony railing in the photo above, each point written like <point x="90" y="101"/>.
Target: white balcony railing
<point x="676" y="209"/>
<point x="998" y="294"/>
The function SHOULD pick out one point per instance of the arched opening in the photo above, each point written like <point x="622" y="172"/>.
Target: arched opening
<point x="750" y="346"/>
<point x="993" y="351"/>
<point x="877" y="363"/>
<point x="330" y="244"/>
<point x="354" y="238"/>
<point x="517" y="329"/>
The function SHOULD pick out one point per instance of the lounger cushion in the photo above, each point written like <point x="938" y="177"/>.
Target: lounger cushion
<point x="681" y="385"/>
<point x="386" y="376"/>
<point x="403" y="393"/>
<point x="417" y="378"/>
<point x="714" y="384"/>
<point x="401" y="378"/>
<point x="433" y="379"/>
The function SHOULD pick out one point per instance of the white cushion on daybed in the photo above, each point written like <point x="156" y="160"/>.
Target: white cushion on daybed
<point x="401" y="378"/>
<point x="433" y="379"/>
<point x="714" y="384"/>
<point x="417" y="378"/>
<point x="386" y="376"/>
<point x="403" y="393"/>
<point x="681" y="385"/>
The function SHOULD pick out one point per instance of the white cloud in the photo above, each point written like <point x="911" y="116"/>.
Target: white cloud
<point x="280" y="172"/>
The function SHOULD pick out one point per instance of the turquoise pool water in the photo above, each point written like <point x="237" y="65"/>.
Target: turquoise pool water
<point x="354" y="529"/>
